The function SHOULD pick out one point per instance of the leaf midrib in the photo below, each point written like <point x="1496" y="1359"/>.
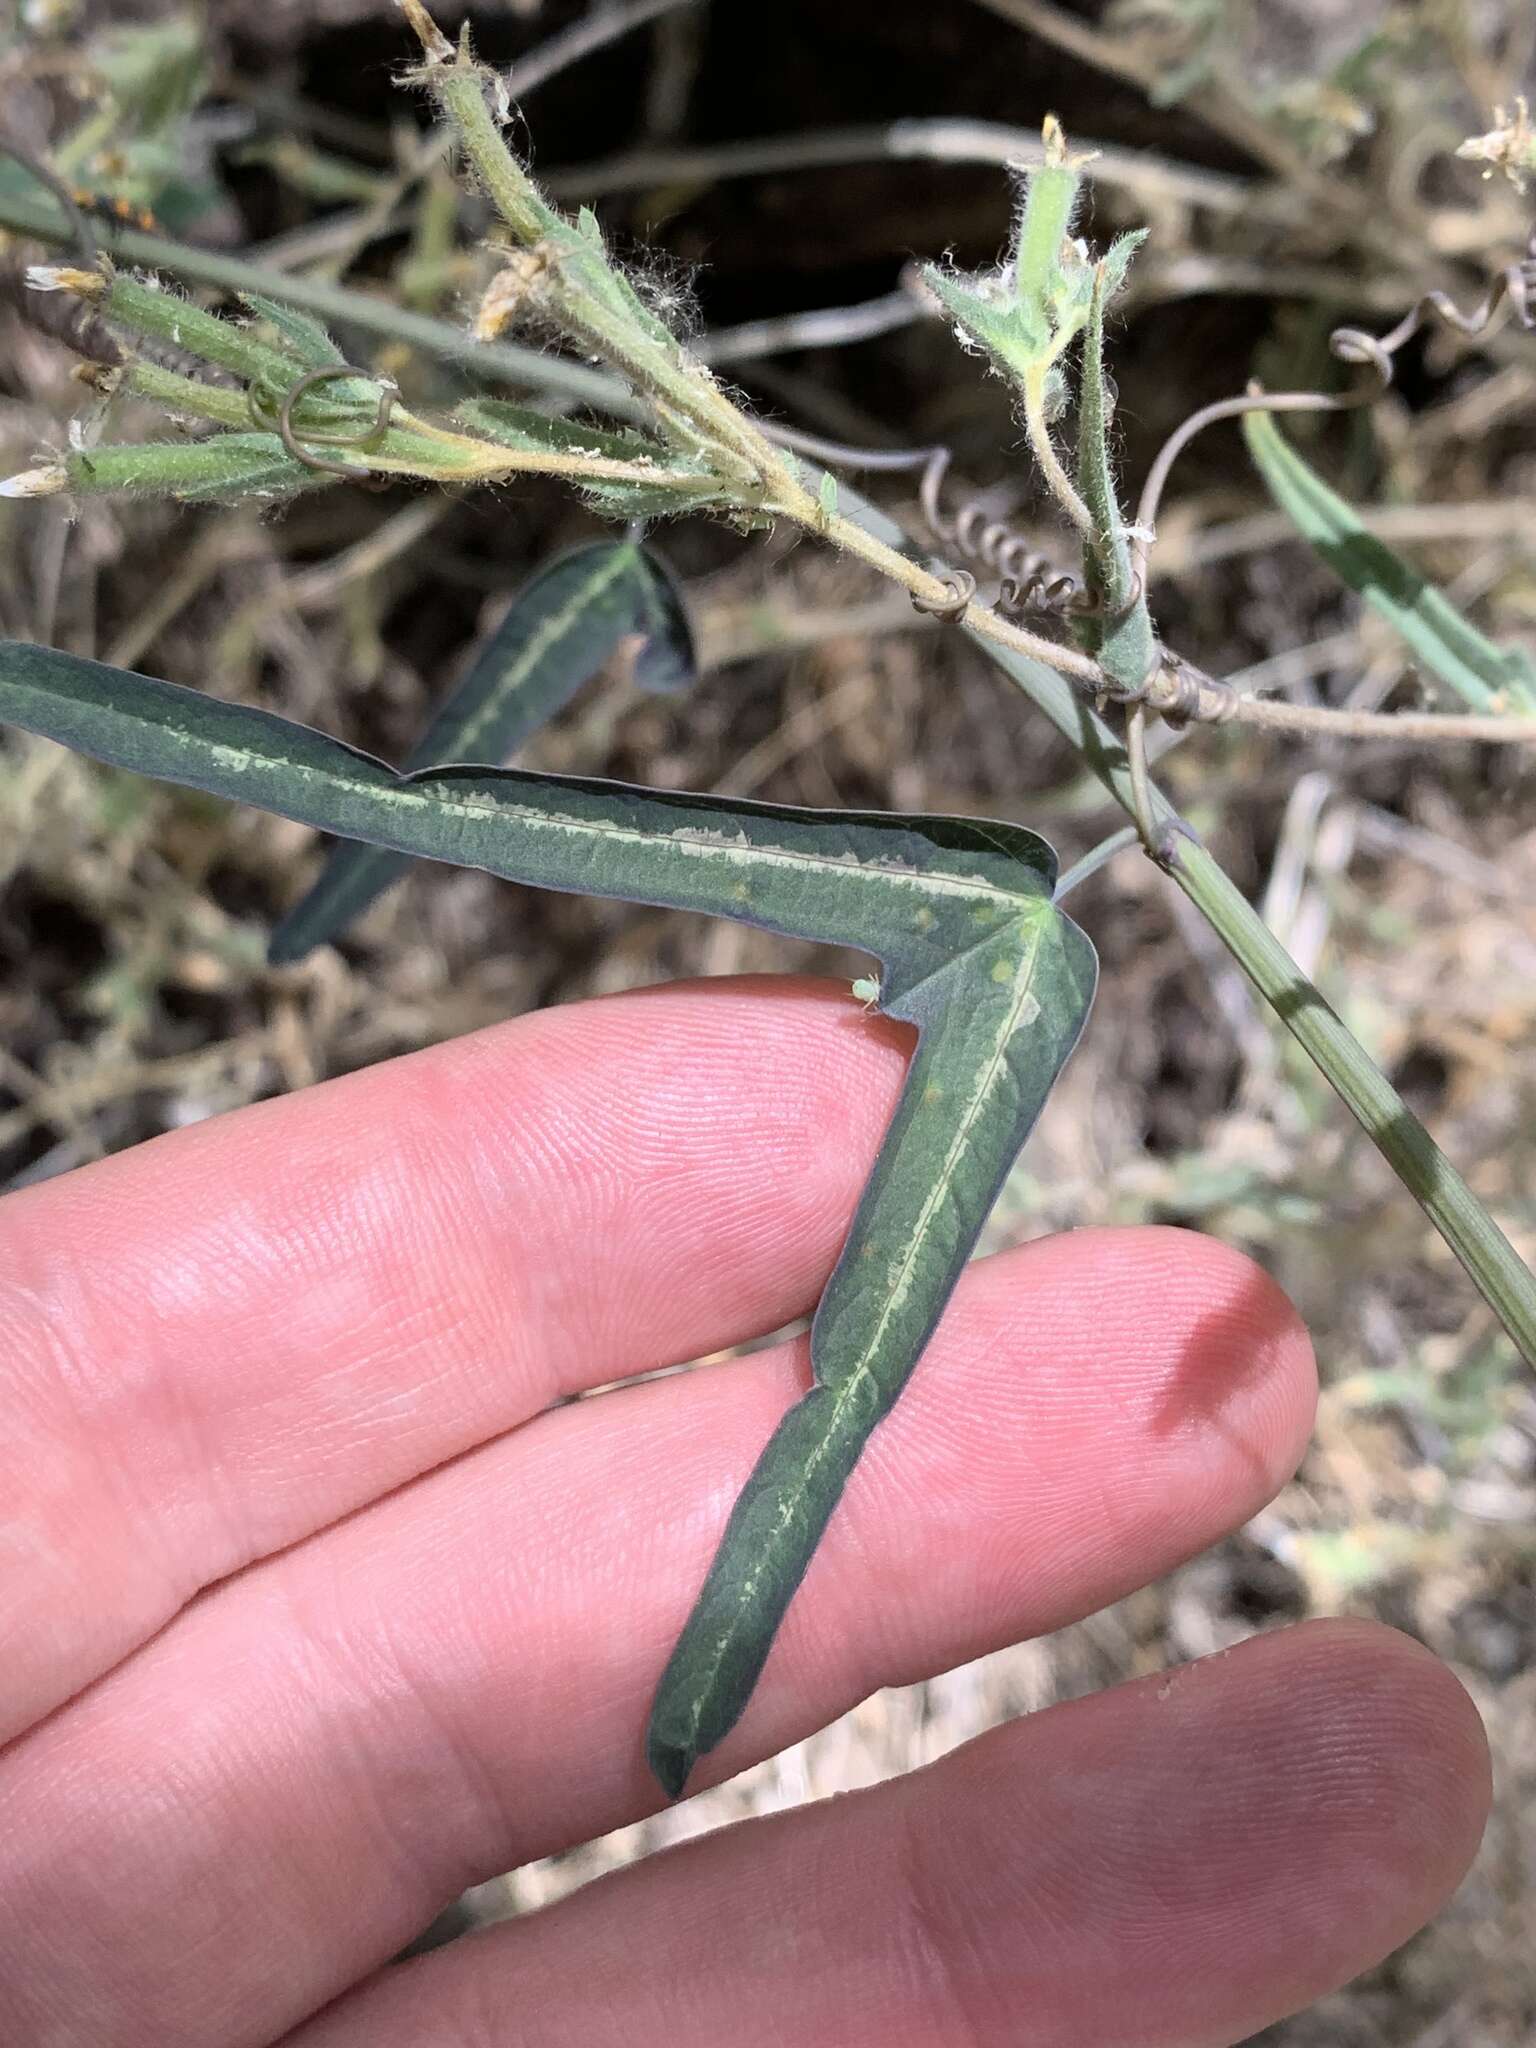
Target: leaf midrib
<point x="305" y="784"/>
<point x="692" y="839"/>
<point x="547" y="634"/>
<point x="1022" y="993"/>
<point x="842" y="1394"/>
<point x="418" y="792"/>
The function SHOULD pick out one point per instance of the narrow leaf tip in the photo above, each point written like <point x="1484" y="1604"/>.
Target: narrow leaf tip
<point x="670" y="1762"/>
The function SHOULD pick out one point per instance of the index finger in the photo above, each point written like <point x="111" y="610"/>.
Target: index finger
<point x="221" y="1342"/>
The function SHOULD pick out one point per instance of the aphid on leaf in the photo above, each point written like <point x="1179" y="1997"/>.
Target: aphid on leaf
<point x="867" y="990"/>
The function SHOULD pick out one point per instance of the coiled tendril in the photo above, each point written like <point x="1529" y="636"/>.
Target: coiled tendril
<point x="1031" y="582"/>
<point x="1516" y="282"/>
<point x="1377" y="353"/>
<point x="362" y="436"/>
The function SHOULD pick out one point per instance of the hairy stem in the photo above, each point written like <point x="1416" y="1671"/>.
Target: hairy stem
<point x="654" y="362"/>
<point x="607" y="393"/>
<point x="460" y="86"/>
<point x="1270" y="714"/>
<point x="1044" y="450"/>
<point x="225" y="405"/>
<point x="498" y="361"/>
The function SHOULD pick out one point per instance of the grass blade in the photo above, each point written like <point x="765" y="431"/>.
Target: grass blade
<point x="1484" y="675"/>
<point x="1485" y="1254"/>
<point x="554" y="637"/>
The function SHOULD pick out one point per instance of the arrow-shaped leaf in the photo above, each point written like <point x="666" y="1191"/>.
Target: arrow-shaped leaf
<point x="555" y="635"/>
<point x="1484" y="675"/>
<point x="997" y="1018"/>
<point x="973" y="951"/>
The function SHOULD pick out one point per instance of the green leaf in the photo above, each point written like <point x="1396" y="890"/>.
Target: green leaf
<point x="1026" y="315"/>
<point x="1484" y="675"/>
<point x="219" y="470"/>
<point x="519" y="426"/>
<point x="972" y="951"/>
<point x="142" y="306"/>
<point x="305" y="338"/>
<point x="985" y="317"/>
<point x="998" y="1016"/>
<point x="613" y="498"/>
<point x="554" y="636"/>
<point x="665" y="660"/>
<point x="1116" y="260"/>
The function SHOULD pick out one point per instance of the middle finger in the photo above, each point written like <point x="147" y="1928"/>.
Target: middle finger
<point x="268" y="1799"/>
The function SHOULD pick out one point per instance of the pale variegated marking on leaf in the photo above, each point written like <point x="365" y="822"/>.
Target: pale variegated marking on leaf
<point x="978" y="1079"/>
<point x="856" y="1383"/>
<point x="539" y="642"/>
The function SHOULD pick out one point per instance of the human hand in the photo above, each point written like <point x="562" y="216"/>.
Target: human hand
<point x="313" y="1611"/>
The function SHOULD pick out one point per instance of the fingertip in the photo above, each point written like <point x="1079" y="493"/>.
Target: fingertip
<point x="1255" y="1829"/>
<point x="1246" y="1362"/>
<point x="1397" y="1720"/>
<point x="1222" y="1295"/>
<point x="1183" y="1860"/>
<point x="1250" y="1325"/>
<point x="1183" y="1335"/>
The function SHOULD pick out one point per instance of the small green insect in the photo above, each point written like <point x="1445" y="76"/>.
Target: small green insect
<point x="867" y="990"/>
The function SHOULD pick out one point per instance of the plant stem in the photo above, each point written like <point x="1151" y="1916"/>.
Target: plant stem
<point x="460" y="86"/>
<point x="1269" y="714"/>
<point x="224" y="404"/>
<point x="1503" y="1279"/>
<point x="1095" y="858"/>
<point x="474" y="459"/>
<point x="499" y="361"/>
<point x="1490" y="1260"/>
<point x="1506" y="1283"/>
<point x="856" y="538"/>
<point x="1062" y="487"/>
<point x="1141" y="784"/>
<point x="653" y="361"/>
